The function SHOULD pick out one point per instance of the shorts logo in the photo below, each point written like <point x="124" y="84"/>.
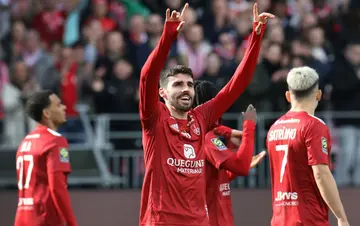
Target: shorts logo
<point x="324" y="145"/>
<point x="219" y="144"/>
<point x="189" y="151"/>
<point x="64" y="155"/>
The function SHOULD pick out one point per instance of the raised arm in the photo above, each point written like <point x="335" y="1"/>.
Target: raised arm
<point x="239" y="162"/>
<point x="150" y="73"/>
<point x="214" y="109"/>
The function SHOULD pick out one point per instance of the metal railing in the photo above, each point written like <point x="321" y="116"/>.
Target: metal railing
<point x="124" y="167"/>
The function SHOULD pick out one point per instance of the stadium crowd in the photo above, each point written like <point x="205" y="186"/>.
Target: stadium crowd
<point x="91" y="52"/>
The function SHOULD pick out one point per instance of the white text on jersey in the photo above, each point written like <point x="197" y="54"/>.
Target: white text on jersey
<point x="282" y="134"/>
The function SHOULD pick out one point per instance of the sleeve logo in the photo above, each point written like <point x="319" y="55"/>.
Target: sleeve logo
<point x="64" y="155"/>
<point x="219" y="144"/>
<point x="324" y="145"/>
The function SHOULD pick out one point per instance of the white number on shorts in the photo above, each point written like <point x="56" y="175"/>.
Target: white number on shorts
<point x="285" y="149"/>
<point x="25" y="147"/>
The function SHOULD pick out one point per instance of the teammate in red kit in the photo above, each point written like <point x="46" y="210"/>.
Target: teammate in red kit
<point x="173" y="191"/>
<point x="299" y="146"/>
<point x="222" y="164"/>
<point x="42" y="165"/>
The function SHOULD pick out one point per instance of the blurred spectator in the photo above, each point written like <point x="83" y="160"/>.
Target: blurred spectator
<point x="100" y="13"/>
<point x="345" y="81"/>
<point x="215" y="72"/>
<point x="13" y="43"/>
<point x="196" y="50"/>
<point x="16" y="123"/>
<point x="4" y="79"/>
<point x="216" y="20"/>
<point x="49" y="22"/>
<point x="36" y="60"/>
<point x="121" y="90"/>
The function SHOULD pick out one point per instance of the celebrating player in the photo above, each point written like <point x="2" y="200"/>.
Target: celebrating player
<point x="173" y="191"/>
<point x="299" y="146"/>
<point x="42" y="164"/>
<point x="222" y="165"/>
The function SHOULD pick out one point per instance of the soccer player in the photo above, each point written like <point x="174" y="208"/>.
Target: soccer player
<point x="42" y="165"/>
<point x="299" y="146"/>
<point x="222" y="164"/>
<point x="173" y="191"/>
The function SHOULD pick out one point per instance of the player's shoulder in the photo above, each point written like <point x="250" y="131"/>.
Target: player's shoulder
<point x="315" y="120"/>
<point x="46" y="136"/>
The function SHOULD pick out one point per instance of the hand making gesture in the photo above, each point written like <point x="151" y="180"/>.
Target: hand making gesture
<point x="261" y="19"/>
<point x="177" y="17"/>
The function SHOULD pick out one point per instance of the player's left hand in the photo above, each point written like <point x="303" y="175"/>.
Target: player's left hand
<point x="261" y="19"/>
<point x="257" y="159"/>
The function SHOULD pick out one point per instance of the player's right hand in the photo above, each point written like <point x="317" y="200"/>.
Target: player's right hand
<point x="250" y="114"/>
<point x="177" y="17"/>
<point x="261" y="19"/>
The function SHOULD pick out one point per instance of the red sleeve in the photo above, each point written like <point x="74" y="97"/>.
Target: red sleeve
<point x="239" y="163"/>
<point x="216" y="107"/>
<point x="150" y="73"/>
<point x="60" y="196"/>
<point x="58" y="159"/>
<point x="231" y="176"/>
<point x="224" y="131"/>
<point x="216" y="151"/>
<point x="318" y="143"/>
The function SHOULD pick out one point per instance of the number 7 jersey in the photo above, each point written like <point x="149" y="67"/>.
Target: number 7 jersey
<point x="295" y="142"/>
<point x="41" y="153"/>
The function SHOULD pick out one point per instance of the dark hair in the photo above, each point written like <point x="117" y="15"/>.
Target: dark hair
<point x="36" y="104"/>
<point x="300" y="94"/>
<point x="204" y="91"/>
<point x="178" y="69"/>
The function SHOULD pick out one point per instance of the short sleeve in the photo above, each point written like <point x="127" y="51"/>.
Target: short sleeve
<point x="216" y="151"/>
<point x="318" y="143"/>
<point x="58" y="159"/>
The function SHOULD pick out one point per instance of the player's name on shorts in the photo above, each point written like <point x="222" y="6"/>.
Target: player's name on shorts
<point x="287" y="121"/>
<point x="26" y="202"/>
<point x="282" y="134"/>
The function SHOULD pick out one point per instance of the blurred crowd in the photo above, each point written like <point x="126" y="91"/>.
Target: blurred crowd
<point x="90" y="52"/>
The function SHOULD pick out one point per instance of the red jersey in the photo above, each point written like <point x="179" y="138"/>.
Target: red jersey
<point x="295" y="142"/>
<point x="218" y="180"/>
<point x="41" y="152"/>
<point x="173" y="191"/>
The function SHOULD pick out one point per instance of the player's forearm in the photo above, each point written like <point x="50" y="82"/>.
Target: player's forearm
<point x="150" y="73"/>
<point x="239" y="163"/>
<point x="329" y="192"/>
<point x="236" y="141"/>
<point x="60" y="195"/>
<point x="229" y="134"/>
<point x="241" y="78"/>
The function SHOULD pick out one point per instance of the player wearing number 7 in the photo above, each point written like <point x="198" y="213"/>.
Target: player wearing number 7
<point x="299" y="145"/>
<point x="42" y="165"/>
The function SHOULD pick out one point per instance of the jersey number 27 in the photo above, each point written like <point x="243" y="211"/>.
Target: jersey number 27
<point x="285" y="149"/>
<point x="20" y="164"/>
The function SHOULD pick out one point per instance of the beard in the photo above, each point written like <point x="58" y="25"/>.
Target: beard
<point x="183" y="107"/>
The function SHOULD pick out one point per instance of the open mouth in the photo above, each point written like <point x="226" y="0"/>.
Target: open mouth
<point x="185" y="99"/>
